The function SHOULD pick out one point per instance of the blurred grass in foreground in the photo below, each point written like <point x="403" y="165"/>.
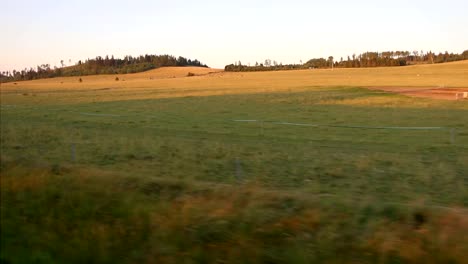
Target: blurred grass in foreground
<point x="56" y="214"/>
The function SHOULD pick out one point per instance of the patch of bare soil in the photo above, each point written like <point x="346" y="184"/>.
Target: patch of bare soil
<point x="428" y="92"/>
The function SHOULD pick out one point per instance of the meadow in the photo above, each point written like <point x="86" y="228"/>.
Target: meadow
<point x="301" y="166"/>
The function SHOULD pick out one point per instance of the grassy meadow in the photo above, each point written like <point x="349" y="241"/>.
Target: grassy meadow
<point x="158" y="167"/>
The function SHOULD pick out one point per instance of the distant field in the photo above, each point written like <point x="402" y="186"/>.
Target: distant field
<point x="295" y="166"/>
<point x="160" y="84"/>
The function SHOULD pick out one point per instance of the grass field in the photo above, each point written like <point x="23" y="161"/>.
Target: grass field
<point x="157" y="168"/>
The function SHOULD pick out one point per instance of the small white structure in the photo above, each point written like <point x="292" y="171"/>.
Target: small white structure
<point x="462" y="95"/>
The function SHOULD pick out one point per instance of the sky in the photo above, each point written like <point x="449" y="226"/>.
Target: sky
<point x="223" y="32"/>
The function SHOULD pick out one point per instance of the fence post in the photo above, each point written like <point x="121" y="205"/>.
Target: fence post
<point x="238" y="169"/>
<point x="73" y="152"/>
<point x="452" y="135"/>
<point x="262" y="130"/>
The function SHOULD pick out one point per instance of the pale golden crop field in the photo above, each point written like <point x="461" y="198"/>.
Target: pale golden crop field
<point x="174" y="82"/>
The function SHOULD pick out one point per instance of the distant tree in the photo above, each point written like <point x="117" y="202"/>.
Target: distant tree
<point x="415" y="53"/>
<point x="316" y="63"/>
<point x="431" y="56"/>
<point x="465" y="55"/>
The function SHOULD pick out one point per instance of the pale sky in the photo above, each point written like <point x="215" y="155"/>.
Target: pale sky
<point x="221" y="32"/>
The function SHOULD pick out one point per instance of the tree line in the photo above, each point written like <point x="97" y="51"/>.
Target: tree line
<point x="268" y="65"/>
<point x="366" y="59"/>
<point x="99" y="65"/>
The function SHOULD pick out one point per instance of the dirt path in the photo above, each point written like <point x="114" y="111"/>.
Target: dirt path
<point x="427" y="92"/>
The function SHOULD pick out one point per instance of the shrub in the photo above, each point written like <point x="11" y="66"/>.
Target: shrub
<point x="190" y="74"/>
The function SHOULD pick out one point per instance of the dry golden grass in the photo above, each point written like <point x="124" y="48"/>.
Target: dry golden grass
<point x="173" y="82"/>
<point x="109" y="79"/>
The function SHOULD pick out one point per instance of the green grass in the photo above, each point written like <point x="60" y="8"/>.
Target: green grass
<point x="177" y="179"/>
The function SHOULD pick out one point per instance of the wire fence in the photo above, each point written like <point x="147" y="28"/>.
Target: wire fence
<point x="452" y="131"/>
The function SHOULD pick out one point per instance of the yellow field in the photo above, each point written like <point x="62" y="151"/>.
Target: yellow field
<point x="173" y="82"/>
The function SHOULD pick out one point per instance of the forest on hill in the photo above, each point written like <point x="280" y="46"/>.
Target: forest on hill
<point x="366" y="59"/>
<point x="99" y="65"/>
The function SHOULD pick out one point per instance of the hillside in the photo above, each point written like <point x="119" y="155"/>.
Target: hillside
<point x="160" y="83"/>
<point x="98" y="66"/>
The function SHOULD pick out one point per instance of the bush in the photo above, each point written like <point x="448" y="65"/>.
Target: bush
<point x="190" y="74"/>
<point x="116" y="79"/>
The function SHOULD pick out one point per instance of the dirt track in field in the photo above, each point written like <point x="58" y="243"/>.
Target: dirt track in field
<point x="427" y="92"/>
